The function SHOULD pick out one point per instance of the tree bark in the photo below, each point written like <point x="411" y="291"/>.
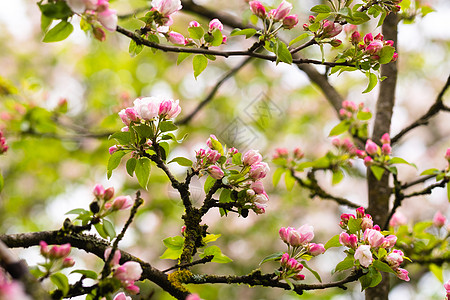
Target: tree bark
<point x="379" y="191"/>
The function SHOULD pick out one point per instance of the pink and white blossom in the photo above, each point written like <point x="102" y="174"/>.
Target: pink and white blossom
<point x="215" y="24"/>
<point x="364" y="255"/>
<point x="215" y="172"/>
<point x="259" y="170"/>
<point x="439" y="219"/>
<point x="251" y="157"/>
<point x="166" y="7"/>
<point x="281" y="11"/>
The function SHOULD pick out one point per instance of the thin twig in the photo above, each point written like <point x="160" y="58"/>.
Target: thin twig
<point x="204" y="260"/>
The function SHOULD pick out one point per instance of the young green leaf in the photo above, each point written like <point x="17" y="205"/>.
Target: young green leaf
<point x="182" y="161"/>
<point x="209" y="184"/>
<point x="272" y="257"/>
<point x="248" y="32"/>
<point x="58" y="33"/>
<point x="377" y="172"/>
<point x="131" y="165"/>
<point x="277" y="176"/>
<point x="86" y="273"/>
<point x="283" y="53"/>
<point x="109" y="229"/>
<point x="61" y="281"/>
<point x="167" y="126"/>
<point x="299" y="38"/>
<point x="210" y="238"/>
<point x="372" y="82"/>
<point x="142" y="171"/>
<point x="219" y="257"/>
<point x="337" y="177"/>
<point x="333" y="242"/>
<point x="289" y="180"/>
<point x="114" y="161"/>
<point x="182" y="56"/>
<point x="386" y="54"/>
<point x="322" y="8"/>
<point x="340" y="128"/>
<point x="196" y="32"/>
<point x="199" y="63"/>
<point x="312" y="271"/>
<point x="347" y="263"/>
<point x="123" y="138"/>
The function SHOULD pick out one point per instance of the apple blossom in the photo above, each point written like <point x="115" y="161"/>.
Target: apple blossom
<point x="439" y="219"/>
<point x="212" y="156"/>
<point x="194" y="24"/>
<point x="367" y="223"/>
<point x="109" y="193"/>
<point x="258" y="187"/>
<point x="290" y="21"/>
<point x="298" y="153"/>
<point x="395" y="258"/>
<point x="122" y="203"/>
<point x="386" y="149"/>
<point x="364" y="255"/>
<point x="121" y="296"/>
<point x="397" y="219"/>
<point x="307" y="233"/>
<point x="166" y="7"/>
<point x="68" y="262"/>
<point x="447" y="288"/>
<point x="251" y="157"/>
<point x="215" y="172"/>
<point x="368" y="161"/>
<point x="257" y="9"/>
<point x="128" y="272"/>
<point x="316" y="249"/>
<point x="108" y="19"/>
<point x="373" y="237"/>
<point x="371" y="147"/>
<point x="281" y="11"/>
<point x="176" y="38"/>
<point x="193" y="297"/>
<point x="98" y="191"/>
<point x="215" y="24"/>
<point x="402" y="274"/>
<point x="259" y="170"/>
<point x="147" y="108"/>
<point x="115" y="259"/>
<point x="209" y="142"/>
<point x="447" y="154"/>
<point x="113" y="149"/>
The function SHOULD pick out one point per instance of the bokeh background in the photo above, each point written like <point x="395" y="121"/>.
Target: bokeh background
<point x="55" y="158"/>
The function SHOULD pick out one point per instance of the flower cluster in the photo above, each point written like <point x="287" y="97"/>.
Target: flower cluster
<point x="242" y="172"/>
<point x="127" y="273"/>
<point x="324" y="31"/>
<point x="3" y="146"/>
<point x="95" y="10"/>
<point x="356" y="116"/>
<point x="11" y="289"/>
<point x="102" y="205"/>
<point x="367" y="243"/>
<point x="373" y="154"/>
<point x="213" y="37"/>
<point x="299" y="246"/>
<point x="279" y="14"/>
<point x="57" y="257"/>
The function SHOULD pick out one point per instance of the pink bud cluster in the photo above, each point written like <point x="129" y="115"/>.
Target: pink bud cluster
<point x="447" y="289"/>
<point x="3" y="146"/>
<point x="218" y="166"/>
<point x="11" y="289"/>
<point x="373" y="153"/>
<point x="127" y="273"/>
<point x="299" y="244"/>
<point x="439" y="220"/>
<point x="96" y="10"/>
<point x="371" y="46"/>
<point x="350" y="110"/>
<point x="279" y="14"/>
<point x="327" y="30"/>
<point x="367" y="240"/>
<point x="283" y="153"/>
<point x="103" y="203"/>
<point x="58" y="255"/>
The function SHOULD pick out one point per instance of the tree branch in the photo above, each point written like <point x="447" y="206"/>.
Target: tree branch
<point x="432" y="111"/>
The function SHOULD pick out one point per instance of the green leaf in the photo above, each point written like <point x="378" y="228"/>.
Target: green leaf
<point x="386" y="54"/>
<point x="2" y="182"/>
<point x="377" y="172"/>
<point x="225" y="196"/>
<point x="333" y="242"/>
<point x="272" y="257"/>
<point x="382" y="266"/>
<point x="340" y="128"/>
<point x="299" y="38"/>
<point x="142" y="171"/>
<point x="437" y="271"/>
<point x="248" y="32"/>
<point x="217" y="38"/>
<point x="354" y="225"/>
<point x="45" y="22"/>
<point x="289" y="180"/>
<point x="58" y="33"/>
<point x="144" y="131"/>
<point x="216" y="145"/>
<point x="61" y="281"/>
<point x="399" y="160"/>
<point x="199" y="63"/>
<point x="171" y="253"/>
<point x="209" y="184"/>
<point x="364" y="115"/>
<point x="448" y="191"/>
<point x="174" y="242"/>
<point x="337" y="177"/>
<point x="196" y="32"/>
<point x="321" y="8"/>
<point x="108" y="227"/>
<point x="123" y="138"/>
<point x="237" y="159"/>
<point x="182" y="56"/>
<point x="131" y="165"/>
<point x="312" y="271"/>
<point x="56" y="10"/>
<point x="372" y="82"/>
<point x="277" y="176"/>
<point x="210" y="238"/>
<point x="283" y="53"/>
<point x="76" y="211"/>
<point x="182" y="161"/>
<point x="164" y="148"/>
<point x="167" y="126"/>
<point x="347" y="263"/>
<point x="114" y="161"/>
<point x="321" y="16"/>
<point x="432" y="171"/>
<point x="314" y="27"/>
<point x="100" y="230"/>
<point x="86" y="273"/>
<point x="219" y="257"/>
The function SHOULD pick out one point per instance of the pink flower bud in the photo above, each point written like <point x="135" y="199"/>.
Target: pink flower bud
<point x="232" y="151"/>
<point x="68" y="262"/>
<point x="394" y="57"/>
<point x="116" y="258"/>
<point x="299" y="277"/>
<point x="439" y="219"/>
<point x="123" y="116"/>
<point x="386" y="149"/>
<point x="44" y="249"/>
<point x="373" y="237"/>
<point x="360" y="153"/>
<point x="257" y="9"/>
<point x="183" y="230"/>
<point x="305" y="27"/>
<point x="368" y="161"/>
<point x="113" y="149"/>
<point x="132" y="114"/>
<point x="376" y="227"/>
<point x="109" y="193"/>
<point x="397" y="219"/>
<point x="281" y="11"/>
<point x="99" y="33"/>
<point x="346" y="217"/>
<point x="371" y="147"/>
<point x="385" y="139"/>
<point x="349" y="105"/>
<point x="356" y="38"/>
<point x="350" y="28"/>
<point x="368" y="38"/>
<point x="447" y="154"/>
<point x="281" y="152"/>
<point x="290" y="21"/>
<point x="316" y="249"/>
<point x="215" y="172"/>
<point x="394" y="259"/>
<point x="389" y="241"/>
<point x="311" y="19"/>
<point x="59" y="251"/>
<point x="132" y="289"/>
<point x="215" y="24"/>
<point x="298" y="153"/>
<point x="258" y="187"/>
<point x="224" y="39"/>
<point x="209" y="143"/>
<point x="335" y="43"/>
<point x="389" y="43"/>
<point x="176" y="38"/>
<point x="122" y="296"/>
<point x="212" y="156"/>
<point x="259" y="170"/>
<point x="194" y="24"/>
<point x="122" y="203"/>
<point x="98" y="191"/>
<point x="330" y="29"/>
<point x="447" y="288"/>
<point x="374" y="48"/>
<point x="251" y="157"/>
<point x="193" y="297"/>
<point x="360" y="212"/>
<point x="367" y="223"/>
<point x="284" y="234"/>
<point x="402" y="274"/>
<point x="128" y="272"/>
<point x="284" y="259"/>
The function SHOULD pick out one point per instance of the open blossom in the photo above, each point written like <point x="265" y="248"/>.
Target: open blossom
<point x="128" y="272"/>
<point x="121" y="296"/>
<point x="169" y="109"/>
<point x="147" y="108"/>
<point x="364" y="255"/>
<point x="108" y="18"/>
<point x="166" y="7"/>
<point x="439" y="219"/>
<point x="373" y="237"/>
<point x="281" y="11"/>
